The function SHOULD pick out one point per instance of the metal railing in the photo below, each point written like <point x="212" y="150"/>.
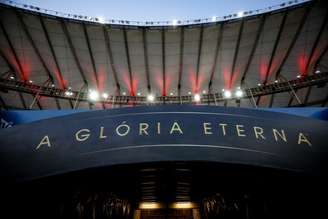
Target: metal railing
<point x="279" y="86"/>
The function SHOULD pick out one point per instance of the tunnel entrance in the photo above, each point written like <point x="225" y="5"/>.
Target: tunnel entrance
<point x="167" y="190"/>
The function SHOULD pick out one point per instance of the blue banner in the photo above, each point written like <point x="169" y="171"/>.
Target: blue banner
<point x="163" y="133"/>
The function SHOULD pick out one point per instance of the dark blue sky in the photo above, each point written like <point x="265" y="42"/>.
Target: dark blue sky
<point x="154" y="10"/>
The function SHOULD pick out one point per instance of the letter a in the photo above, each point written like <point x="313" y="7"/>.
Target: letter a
<point x="303" y="138"/>
<point x="45" y="141"/>
<point x="175" y="128"/>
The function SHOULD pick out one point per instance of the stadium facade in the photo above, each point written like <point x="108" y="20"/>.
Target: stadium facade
<point x="207" y="118"/>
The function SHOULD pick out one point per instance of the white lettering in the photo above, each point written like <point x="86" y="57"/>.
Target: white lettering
<point x="45" y="141"/>
<point x="303" y="138"/>
<point x="143" y="128"/>
<point x="176" y="127"/>
<point x="207" y="128"/>
<point x="82" y="137"/>
<point x="258" y="132"/>
<point x="240" y="130"/>
<point x="281" y="134"/>
<point x="223" y="125"/>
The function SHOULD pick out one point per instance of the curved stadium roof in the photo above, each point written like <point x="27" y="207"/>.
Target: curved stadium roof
<point x="171" y="62"/>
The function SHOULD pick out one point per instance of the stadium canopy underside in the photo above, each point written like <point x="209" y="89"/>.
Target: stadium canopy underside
<point x="270" y="56"/>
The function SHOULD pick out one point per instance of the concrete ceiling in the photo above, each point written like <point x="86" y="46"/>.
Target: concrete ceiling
<point x="162" y="60"/>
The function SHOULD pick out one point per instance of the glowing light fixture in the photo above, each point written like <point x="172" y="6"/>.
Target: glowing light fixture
<point x="298" y="76"/>
<point x="189" y="93"/>
<point x="317" y="71"/>
<point x="197" y="97"/>
<point x="204" y="91"/>
<point x="93" y="95"/>
<point x="171" y="94"/>
<point x="240" y="14"/>
<point x="183" y="205"/>
<point x="101" y="20"/>
<point x="12" y="77"/>
<point x="138" y="94"/>
<point x="30" y="81"/>
<point x="68" y="93"/>
<point x="150" y="98"/>
<point x="149" y="205"/>
<point x="239" y="93"/>
<point x="227" y="93"/>
<point x="105" y="95"/>
<point x="174" y="22"/>
<point x="124" y="93"/>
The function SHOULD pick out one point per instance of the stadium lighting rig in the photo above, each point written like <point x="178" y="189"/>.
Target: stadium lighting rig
<point x="277" y="86"/>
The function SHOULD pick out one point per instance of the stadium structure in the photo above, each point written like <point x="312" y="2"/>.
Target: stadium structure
<point x="221" y="117"/>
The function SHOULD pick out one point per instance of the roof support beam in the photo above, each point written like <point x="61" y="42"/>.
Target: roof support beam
<point x="93" y="63"/>
<point x="276" y="43"/>
<point x="291" y="45"/>
<point x="70" y="44"/>
<point x="12" y="69"/>
<point x="35" y="48"/>
<point x="200" y="45"/>
<point x="163" y="64"/>
<point x="111" y="60"/>
<point x="46" y="33"/>
<point x="127" y="52"/>
<point x="12" y="49"/>
<point x="86" y="35"/>
<point x="295" y="37"/>
<point x="181" y="59"/>
<point x="145" y="47"/>
<point x="316" y="42"/>
<point x="255" y="44"/>
<point x="38" y="53"/>
<point x="217" y="48"/>
<point x="274" y="50"/>
<point x="20" y="67"/>
<point x="317" y="62"/>
<point x="236" y="52"/>
<point x="313" y="49"/>
<point x="235" y="55"/>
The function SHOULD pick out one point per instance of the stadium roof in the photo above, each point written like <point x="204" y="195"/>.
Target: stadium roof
<point x="46" y="59"/>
